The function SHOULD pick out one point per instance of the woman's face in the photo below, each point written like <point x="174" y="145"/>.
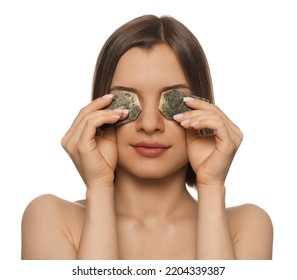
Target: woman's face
<point x="151" y="146"/>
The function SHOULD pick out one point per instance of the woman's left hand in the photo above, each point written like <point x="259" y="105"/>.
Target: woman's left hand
<point x="209" y="156"/>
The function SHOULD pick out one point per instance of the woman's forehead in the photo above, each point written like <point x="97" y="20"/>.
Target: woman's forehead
<point x="156" y="65"/>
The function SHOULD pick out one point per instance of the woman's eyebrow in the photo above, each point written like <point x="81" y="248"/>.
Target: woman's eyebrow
<point x="131" y="89"/>
<point x="123" y="88"/>
<point x="176" y="86"/>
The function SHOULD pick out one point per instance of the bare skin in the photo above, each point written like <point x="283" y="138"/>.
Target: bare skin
<point x="146" y="212"/>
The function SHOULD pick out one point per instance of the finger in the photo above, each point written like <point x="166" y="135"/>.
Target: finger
<point x="191" y="114"/>
<point x="186" y="119"/>
<point x="90" y="127"/>
<point x="95" y="105"/>
<point x="86" y="129"/>
<point x="203" y="106"/>
<point x="223" y="137"/>
<point x="202" y="119"/>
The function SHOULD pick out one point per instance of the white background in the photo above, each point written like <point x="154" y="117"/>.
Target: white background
<point x="47" y="57"/>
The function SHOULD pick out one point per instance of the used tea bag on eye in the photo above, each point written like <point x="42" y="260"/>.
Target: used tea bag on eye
<point x="124" y="100"/>
<point x="172" y="103"/>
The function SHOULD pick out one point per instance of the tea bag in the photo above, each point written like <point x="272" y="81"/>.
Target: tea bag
<point x="172" y="103"/>
<point x="124" y="100"/>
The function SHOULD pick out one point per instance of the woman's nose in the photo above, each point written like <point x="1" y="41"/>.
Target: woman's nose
<point x="150" y="118"/>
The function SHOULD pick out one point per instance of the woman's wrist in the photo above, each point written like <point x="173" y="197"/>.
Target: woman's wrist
<point x="212" y="192"/>
<point x="96" y="191"/>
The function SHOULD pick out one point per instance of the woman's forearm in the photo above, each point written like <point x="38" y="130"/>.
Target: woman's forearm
<point x="99" y="234"/>
<point x="214" y="240"/>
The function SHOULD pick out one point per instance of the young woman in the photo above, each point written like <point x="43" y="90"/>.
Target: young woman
<point x="137" y="205"/>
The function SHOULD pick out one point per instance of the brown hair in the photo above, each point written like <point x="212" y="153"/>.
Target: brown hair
<point x="147" y="31"/>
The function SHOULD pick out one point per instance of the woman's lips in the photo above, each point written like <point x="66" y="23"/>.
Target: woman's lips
<point x="150" y="149"/>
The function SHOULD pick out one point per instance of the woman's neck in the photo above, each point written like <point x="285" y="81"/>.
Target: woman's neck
<point x="151" y="198"/>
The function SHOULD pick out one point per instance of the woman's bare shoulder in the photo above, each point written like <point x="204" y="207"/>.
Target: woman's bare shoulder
<point x="252" y="231"/>
<point x="53" y="203"/>
<point x="49" y="207"/>
<point x="246" y="210"/>
<point x="47" y="220"/>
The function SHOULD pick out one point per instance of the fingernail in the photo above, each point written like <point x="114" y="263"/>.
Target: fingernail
<point x="123" y="111"/>
<point x="107" y="96"/>
<point x="126" y="111"/>
<point x="178" y="116"/>
<point x="185" y="122"/>
<point x="189" y="99"/>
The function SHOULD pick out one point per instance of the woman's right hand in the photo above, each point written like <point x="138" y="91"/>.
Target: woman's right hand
<point x="95" y="157"/>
